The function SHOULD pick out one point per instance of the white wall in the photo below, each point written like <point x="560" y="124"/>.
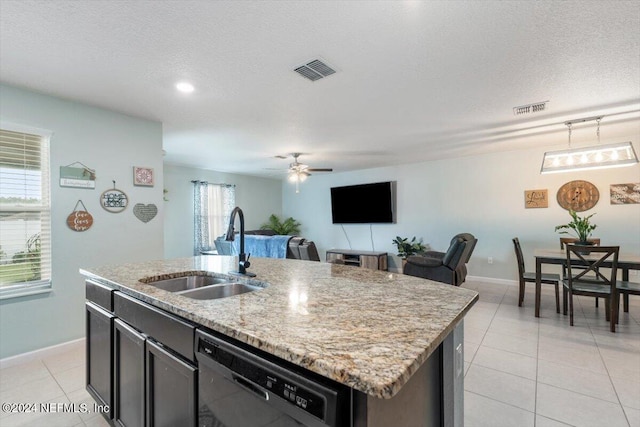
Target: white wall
<point x="258" y="198"/>
<point x="483" y="195"/>
<point x="112" y="144"/>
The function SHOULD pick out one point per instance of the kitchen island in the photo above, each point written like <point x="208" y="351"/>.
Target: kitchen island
<point x="385" y="336"/>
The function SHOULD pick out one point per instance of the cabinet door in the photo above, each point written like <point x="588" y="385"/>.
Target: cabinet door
<point x="129" y="364"/>
<point x="332" y="256"/>
<point x="100" y="356"/>
<point x="369" y="261"/>
<point x="171" y="389"/>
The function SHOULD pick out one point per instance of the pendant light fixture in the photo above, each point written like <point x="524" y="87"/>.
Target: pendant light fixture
<point x="593" y="157"/>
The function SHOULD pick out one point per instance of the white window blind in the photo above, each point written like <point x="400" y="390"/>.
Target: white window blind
<point x="25" y="210"/>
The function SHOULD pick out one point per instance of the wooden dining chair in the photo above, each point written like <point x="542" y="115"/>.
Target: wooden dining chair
<point x="626" y="288"/>
<point x="525" y="276"/>
<point x="570" y="241"/>
<point x="587" y="278"/>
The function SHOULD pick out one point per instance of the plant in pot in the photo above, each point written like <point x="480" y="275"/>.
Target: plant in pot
<point x="408" y="247"/>
<point x="287" y="227"/>
<point x="581" y="227"/>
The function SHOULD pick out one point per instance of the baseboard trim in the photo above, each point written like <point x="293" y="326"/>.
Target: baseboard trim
<point x="492" y="280"/>
<point x="42" y="353"/>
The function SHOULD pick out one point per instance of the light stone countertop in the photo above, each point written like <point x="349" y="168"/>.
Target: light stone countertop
<point x="370" y="330"/>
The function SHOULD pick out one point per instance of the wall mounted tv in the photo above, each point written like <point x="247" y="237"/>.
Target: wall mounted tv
<point x="364" y="203"/>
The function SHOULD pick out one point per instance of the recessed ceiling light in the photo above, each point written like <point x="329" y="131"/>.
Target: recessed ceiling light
<point x="185" y="87"/>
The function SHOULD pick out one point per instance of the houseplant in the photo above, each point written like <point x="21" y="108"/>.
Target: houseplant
<point x="581" y="227"/>
<point x="408" y="247"/>
<point x="287" y="227"/>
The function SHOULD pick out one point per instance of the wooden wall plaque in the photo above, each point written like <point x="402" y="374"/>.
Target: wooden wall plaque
<point x="536" y="199"/>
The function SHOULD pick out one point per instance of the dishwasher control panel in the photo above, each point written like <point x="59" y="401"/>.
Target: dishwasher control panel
<point x="264" y="374"/>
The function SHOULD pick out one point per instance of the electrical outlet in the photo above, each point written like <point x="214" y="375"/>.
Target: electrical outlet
<point x="490" y="260"/>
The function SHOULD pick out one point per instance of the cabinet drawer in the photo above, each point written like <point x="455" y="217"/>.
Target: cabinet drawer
<point x="170" y="330"/>
<point x="99" y="294"/>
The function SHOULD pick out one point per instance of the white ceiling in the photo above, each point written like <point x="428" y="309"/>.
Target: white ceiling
<point x="415" y="81"/>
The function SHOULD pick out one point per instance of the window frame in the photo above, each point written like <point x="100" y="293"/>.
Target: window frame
<point x="44" y="285"/>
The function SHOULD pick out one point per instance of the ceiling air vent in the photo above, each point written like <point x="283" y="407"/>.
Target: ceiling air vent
<point x="531" y="108"/>
<point x="314" y="70"/>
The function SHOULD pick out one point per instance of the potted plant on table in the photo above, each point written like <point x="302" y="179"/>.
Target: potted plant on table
<point x="408" y="247"/>
<point x="580" y="227"/>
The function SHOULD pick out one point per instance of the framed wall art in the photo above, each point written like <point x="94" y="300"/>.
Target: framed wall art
<point x="625" y="194"/>
<point x="77" y="175"/>
<point x="578" y="195"/>
<point x="536" y="199"/>
<point x="143" y="176"/>
<point x="114" y="200"/>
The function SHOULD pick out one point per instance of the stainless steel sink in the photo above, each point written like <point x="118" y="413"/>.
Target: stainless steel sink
<point x="204" y="287"/>
<point x="187" y="282"/>
<point x="219" y="291"/>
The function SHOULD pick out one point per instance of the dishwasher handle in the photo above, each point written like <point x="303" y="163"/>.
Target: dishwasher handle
<point x="248" y="385"/>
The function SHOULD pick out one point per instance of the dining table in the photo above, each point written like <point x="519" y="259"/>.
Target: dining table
<point x="626" y="262"/>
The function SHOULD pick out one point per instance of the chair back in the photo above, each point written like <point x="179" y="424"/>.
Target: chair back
<point x="519" y="257"/>
<point x="565" y="240"/>
<point x="459" y="250"/>
<point x="590" y="264"/>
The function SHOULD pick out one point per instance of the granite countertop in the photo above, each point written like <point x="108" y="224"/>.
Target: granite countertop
<point x="370" y="330"/>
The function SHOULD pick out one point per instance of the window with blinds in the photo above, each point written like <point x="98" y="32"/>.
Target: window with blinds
<point x="25" y="229"/>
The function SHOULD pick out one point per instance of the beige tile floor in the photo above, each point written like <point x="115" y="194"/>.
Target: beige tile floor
<point x="520" y="371"/>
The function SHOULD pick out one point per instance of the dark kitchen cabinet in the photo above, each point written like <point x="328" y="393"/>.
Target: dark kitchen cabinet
<point x="129" y="370"/>
<point x="140" y="361"/>
<point x="171" y="389"/>
<point x="99" y="375"/>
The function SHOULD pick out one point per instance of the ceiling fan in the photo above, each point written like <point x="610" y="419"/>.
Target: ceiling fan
<point x="298" y="172"/>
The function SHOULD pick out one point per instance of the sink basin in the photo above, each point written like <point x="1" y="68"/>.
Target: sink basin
<point x="187" y="282"/>
<point x="219" y="291"/>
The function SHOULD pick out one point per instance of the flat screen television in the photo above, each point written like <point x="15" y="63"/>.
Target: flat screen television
<point x="364" y="203"/>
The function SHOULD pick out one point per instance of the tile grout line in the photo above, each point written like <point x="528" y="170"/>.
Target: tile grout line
<point x="613" y="386"/>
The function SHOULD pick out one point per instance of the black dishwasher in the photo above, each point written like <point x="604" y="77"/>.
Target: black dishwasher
<point x="238" y="388"/>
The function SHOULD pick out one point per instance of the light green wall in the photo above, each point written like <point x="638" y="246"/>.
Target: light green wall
<point x="482" y="194"/>
<point x="112" y="144"/>
<point x="258" y="198"/>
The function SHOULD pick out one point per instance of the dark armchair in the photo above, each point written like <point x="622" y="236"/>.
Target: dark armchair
<point x="447" y="267"/>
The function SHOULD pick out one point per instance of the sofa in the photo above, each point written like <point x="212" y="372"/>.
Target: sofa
<point x="265" y="243"/>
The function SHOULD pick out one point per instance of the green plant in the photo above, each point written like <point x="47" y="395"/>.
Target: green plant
<point x="581" y="227"/>
<point x="287" y="227"/>
<point x="408" y="247"/>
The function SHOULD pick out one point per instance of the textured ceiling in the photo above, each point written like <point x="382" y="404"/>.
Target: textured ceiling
<point x="415" y="80"/>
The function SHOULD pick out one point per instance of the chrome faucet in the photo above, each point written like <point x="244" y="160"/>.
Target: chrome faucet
<point x="243" y="260"/>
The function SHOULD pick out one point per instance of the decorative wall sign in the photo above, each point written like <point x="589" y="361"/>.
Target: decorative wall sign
<point x="625" y="194"/>
<point x="114" y="200"/>
<point x="578" y="195"/>
<point x="77" y="177"/>
<point x="145" y="213"/>
<point x="79" y="220"/>
<point x="536" y="199"/>
<point x="143" y="176"/>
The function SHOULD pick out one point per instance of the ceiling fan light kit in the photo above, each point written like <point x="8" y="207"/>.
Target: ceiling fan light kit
<point x="591" y="157"/>
<point x="299" y="172"/>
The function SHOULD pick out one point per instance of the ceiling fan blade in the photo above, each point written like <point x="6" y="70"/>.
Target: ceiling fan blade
<point x="320" y="169"/>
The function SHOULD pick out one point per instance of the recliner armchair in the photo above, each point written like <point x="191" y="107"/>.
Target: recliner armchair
<point x="446" y="267"/>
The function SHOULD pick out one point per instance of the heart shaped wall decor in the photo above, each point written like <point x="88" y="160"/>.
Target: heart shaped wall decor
<point x="145" y="213"/>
